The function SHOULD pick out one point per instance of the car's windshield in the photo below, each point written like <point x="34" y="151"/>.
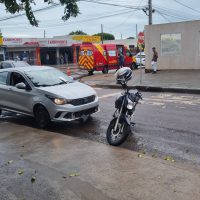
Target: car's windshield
<point x="48" y="77"/>
<point x="20" y="64"/>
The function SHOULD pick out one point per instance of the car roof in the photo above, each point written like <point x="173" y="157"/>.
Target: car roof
<point x="27" y="69"/>
<point x="11" y="61"/>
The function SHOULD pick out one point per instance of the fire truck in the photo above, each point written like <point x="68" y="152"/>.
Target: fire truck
<point x="103" y="57"/>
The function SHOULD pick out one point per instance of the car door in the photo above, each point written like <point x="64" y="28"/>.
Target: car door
<point x="128" y="58"/>
<point x="19" y="99"/>
<point x="4" y="88"/>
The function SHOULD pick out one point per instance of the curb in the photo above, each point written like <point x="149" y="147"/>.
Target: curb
<point x="152" y="89"/>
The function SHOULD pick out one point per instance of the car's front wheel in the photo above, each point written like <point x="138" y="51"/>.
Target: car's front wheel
<point x="42" y="116"/>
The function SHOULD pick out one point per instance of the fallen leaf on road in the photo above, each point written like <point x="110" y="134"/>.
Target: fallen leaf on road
<point x="20" y="171"/>
<point x="169" y="158"/>
<point x="10" y="161"/>
<point x="74" y="174"/>
<point x="140" y="155"/>
<point x="33" y="178"/>
<point x="154" y="156"/>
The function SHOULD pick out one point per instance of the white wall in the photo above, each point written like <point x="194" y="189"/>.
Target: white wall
<point x="189" y="57"/>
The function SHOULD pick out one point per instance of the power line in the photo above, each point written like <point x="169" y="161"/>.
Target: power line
<point x="162" y="15"/>
<point x="112" y="4"/>
<point x="83" y="21"/>
<point x="187" y="6"/>
<point x="35" y="11"/>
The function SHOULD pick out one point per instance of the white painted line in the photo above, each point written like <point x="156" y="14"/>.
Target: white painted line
<point x="110" y="95"/>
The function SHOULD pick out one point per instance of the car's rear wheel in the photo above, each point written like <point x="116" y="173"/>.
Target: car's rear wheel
<point x="105" y="70"/>
<point x="133" y="66"/>
<point x="0" y="111"/>
<point x="90" y="73"/>
<point x="42" y="116"/>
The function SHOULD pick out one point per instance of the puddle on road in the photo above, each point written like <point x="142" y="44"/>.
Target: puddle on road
<point x="95" y="130"/>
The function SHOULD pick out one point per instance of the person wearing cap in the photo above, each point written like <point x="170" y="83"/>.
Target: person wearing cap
<point x="154" y="60"/>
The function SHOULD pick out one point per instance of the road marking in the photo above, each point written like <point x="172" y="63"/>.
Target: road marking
<point x="110" y="95"/>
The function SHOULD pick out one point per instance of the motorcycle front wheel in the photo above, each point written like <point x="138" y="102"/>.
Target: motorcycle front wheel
<point x="117" y="137"/>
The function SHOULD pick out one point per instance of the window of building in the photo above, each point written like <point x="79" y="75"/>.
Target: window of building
<point x="171" y="44"/>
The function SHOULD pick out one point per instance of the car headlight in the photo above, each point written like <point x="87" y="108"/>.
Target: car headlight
<point x="57" y="101"/>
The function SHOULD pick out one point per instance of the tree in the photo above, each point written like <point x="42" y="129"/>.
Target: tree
<point x="130" y="38"/>
<point x="15" y="6"/>
<point x="78" y="32"/>
<point x="106" y="36"/>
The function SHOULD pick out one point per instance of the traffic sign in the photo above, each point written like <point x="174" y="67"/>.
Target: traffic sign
<point x="141" y="38"/>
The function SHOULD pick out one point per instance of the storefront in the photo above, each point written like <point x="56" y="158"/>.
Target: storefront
<point x="41" y="51"/>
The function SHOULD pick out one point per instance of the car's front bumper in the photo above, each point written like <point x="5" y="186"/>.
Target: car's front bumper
<point x="69" y="112"/>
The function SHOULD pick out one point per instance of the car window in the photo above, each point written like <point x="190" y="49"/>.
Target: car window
<point x="81" y="52"/>
<point x="48" y="77"/>
<point x="16" y="78"/>
<point x="89" y="52"/>
<point x="128" y="53"/>
<point x="3" y="78"/>
<point x="112" y="53"/>
<point x="20" y="64"/>
<point x="6" y="65"/>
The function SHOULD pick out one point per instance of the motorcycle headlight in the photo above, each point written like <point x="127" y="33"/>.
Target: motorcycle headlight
<point x="130" y="105"/>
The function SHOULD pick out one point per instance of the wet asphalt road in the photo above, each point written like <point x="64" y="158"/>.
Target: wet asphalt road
<point x="167" y="124"/>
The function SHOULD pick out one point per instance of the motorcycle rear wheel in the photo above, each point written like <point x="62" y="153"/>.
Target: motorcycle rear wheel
<point x="116" y="138"/>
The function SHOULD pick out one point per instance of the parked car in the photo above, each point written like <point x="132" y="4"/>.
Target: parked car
<point x="13" y="64"/>
<point x="46" y="94"/>
<point x="137" y="56"/>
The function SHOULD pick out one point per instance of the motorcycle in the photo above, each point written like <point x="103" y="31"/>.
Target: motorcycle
<point x="120" y="126"/>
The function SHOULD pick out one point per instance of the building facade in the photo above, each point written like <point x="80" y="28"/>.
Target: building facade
<point x="58" y="50"/>
<point x="178" y="45"/>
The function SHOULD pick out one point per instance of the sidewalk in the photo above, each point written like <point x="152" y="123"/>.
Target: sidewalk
<point x="73" y="70"/>
<point x="186" y="81"/>
<point x="102" y="172"/>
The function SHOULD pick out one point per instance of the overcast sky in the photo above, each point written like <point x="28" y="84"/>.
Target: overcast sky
<point x="119" y="20"/>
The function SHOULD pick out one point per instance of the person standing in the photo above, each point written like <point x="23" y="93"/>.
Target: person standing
<point x="47" y="58"/>
<point x="154" y="60"/>
<point x="121" y="59"/>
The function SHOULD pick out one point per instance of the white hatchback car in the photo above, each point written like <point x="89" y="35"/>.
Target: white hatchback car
<point x="137" y="56"/>
<point x="46" y="94"/>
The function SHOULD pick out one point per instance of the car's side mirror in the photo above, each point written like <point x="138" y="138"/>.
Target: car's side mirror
<point x="21" y="86"/>
<point x="72" y="78"/>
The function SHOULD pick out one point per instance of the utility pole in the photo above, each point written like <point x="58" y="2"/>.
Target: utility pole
<point x="136" y="31"/>
<point x="102" y="33"/>
<point x="44" y="34"/>
<point x="150" y="11"/>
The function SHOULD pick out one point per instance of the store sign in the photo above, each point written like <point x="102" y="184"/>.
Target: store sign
<point x="141" y="38"/>
<point x="87" y="38"/>
<point x="34" y="42"/>
<point x="12" y="41"/>
<point x="171" y="44"/>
